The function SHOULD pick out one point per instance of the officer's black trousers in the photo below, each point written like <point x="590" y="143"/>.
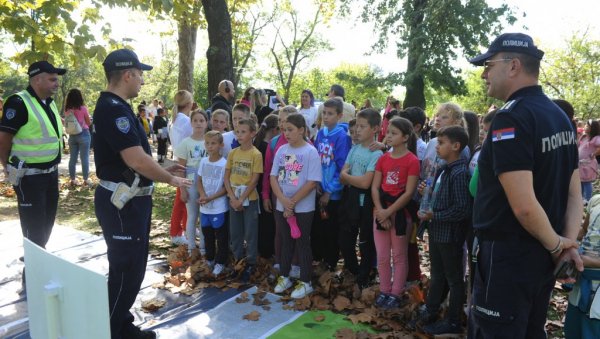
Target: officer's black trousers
<point x="511" y="289"/>
<point x="38" y="200"/>
<point x="126" y="233"/>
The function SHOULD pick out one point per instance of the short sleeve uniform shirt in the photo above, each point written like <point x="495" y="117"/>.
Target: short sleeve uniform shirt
<point x="116" y="128"/>
<point x="529" y="133"/>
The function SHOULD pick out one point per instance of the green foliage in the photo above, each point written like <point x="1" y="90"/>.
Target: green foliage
<point x="359" y="81"/>
<point x="432" y="34"/>
<point x="296" y="41"/>
<point x="475" y="99"/>
<point x="573" y="74"/>
<point x="49" y="29"/>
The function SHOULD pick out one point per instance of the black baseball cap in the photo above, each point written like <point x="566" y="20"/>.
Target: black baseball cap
<point x="123" y="59"/>
<point x="509" y="42"/>
<point x="44" y="67"/>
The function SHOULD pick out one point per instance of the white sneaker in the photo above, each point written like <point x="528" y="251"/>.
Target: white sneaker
<point x="276" y="267"/>
<point x="283" y="283"/>
<point x="179" y="240"/>
<point x="218" y="269"/>
<point x="301" y="290"/>
<point x="295" y="272"/>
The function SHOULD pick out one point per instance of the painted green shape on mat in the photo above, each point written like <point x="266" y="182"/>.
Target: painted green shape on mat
<point x="306" y="326"/>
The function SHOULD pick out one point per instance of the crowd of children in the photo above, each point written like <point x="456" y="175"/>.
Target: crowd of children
<point x="269" y="190"/>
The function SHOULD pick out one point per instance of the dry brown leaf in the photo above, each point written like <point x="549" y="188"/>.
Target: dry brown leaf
<point x="345" y="333"/>
<point x="319" y="318"/>
<point x="358" y="305"/>
<point x="252" y="316"/>
<point x="325" y="281"/>
<point x="368" y="295"/>
<point x="415" y="294"/>
<point x="153" y="304"/>
<point x="320" y="302"/>
<point x="302" y="304"/>
<point x="340" y="303"/>
<point x="360" y="318"/>
<point x="266" y="308"/>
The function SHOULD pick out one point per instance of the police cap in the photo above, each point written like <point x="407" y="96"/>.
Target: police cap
<point x="43" y="66"/>
<point x="509" y="42"/>
<point x="123" y="59"/>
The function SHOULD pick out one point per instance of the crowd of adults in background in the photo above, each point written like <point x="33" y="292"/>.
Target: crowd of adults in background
<point x="304" y="185"/>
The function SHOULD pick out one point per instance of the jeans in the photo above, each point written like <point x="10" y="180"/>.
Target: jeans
<point x="243" y="226"/>
<point x="80" y="145"/>
<point x="586" y="190"/>
<point x="193" y="212"/>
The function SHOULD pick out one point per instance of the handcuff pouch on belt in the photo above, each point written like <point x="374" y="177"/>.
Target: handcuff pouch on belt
<point x="123" y="193"/>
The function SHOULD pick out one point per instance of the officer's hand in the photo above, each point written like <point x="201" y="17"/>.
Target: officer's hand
<point x="180" y="182"/>
<point x="421" y="188"/>
<point x="176" y="169"/>
<point x="570" y="253"/>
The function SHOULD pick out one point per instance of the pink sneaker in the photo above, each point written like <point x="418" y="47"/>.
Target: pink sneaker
<point x="294" y="227"/>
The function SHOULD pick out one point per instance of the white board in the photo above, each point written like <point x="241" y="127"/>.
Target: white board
<point x="64" y="300"/>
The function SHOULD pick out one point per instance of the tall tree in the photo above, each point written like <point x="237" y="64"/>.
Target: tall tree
<point x="218" y="55"/>
<point x="295" y="41"/>
<point x="188" y="15"/>
<point x="573" y="74"/>
<point x="48" y="29"/>
<point x="248" y="19"/>
<point x="431" y="34"/>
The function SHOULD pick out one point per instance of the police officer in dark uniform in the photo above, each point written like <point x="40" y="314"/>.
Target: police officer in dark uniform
<point x="528" y="207"/>
<point x="30" y="150"/>
<point x="123" y="199"/>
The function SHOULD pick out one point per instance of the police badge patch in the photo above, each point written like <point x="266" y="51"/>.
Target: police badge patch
<point x="10" y="113"/>
<point x="123" y="124"/>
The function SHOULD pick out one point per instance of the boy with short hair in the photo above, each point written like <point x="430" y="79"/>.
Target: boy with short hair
<point x="213" y="202"/>
<point x="243" y="169"/>
<point x="358" y="174"/>
<point x="333" y="145"/>
<point x="447" y="229"/>
<point x="239" y="112"/>
<point x="352" y="129"/>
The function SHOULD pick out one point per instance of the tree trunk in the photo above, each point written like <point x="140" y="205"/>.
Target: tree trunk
<point x="186" y="42"/>
<point x="219" y="54"/>
<point x="413" y="79"/>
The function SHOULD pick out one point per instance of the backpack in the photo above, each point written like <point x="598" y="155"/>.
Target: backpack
<point x="72" y="126"/>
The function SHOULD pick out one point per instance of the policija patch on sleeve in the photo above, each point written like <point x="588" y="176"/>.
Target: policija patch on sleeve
<point x="123" y="124"/>
<point x="503" y="134"/>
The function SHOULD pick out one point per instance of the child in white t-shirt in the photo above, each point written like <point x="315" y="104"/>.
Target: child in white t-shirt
<point x="189" y="152"/>
<point x="214" y="207"/>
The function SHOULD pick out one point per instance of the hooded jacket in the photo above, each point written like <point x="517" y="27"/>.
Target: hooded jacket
<point x="333" y="147"/>
<point x="219" y="102"/>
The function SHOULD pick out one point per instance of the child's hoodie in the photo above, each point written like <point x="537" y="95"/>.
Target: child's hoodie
<point x="333" y="147"/>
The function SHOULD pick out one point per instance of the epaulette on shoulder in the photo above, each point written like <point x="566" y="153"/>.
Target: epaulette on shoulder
<point x="509" y="105"/>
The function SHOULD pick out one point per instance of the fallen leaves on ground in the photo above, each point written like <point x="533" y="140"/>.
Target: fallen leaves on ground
<point x="319" y="318"/>
<point x="252" y="316"/>
<point x="153" y="305"/>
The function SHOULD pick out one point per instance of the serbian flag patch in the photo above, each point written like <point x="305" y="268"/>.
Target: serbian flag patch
<point x="503" y="134"/>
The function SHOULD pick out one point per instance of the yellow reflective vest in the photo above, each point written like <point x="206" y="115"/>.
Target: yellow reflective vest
<point x="37" y="141"/>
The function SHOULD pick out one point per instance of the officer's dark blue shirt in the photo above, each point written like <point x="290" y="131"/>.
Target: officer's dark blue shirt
<point x="16" y="116"/>
<point x="115" y="129"/>
<point x="529" y="133"/>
